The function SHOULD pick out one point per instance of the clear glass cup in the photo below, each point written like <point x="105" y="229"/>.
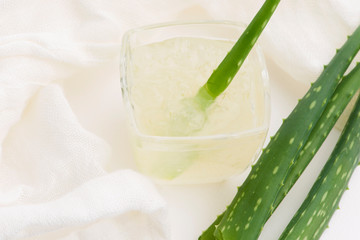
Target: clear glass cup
<point x="156" y="62"/>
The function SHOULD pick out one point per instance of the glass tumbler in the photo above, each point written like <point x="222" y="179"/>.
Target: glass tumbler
<point x="163" y="65"/>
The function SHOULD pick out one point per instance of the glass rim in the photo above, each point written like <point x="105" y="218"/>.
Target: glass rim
<point x="184" y="22"/>
<point x="222" y="136"/>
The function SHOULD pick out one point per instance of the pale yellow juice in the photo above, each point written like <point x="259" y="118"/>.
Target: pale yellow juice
<point x="232" y="129"/>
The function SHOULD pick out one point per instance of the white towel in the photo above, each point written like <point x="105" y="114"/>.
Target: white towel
<point x="62" y="130"/>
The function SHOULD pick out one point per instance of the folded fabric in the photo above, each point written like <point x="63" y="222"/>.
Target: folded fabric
<point x="121" y="205"/>
<point x="52" y="180"/>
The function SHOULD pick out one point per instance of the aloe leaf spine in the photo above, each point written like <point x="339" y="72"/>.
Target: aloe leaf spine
<point x="254" y="201"/>
<point x="313" y="216"/>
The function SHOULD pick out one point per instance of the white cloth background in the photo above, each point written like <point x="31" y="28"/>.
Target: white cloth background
<point x="62" y="136"/>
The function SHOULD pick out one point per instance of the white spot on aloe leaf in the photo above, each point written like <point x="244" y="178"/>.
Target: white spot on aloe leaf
<point x="334" y="203"/>
<point x="312" y="105"/>
<point x="275" y="170"/>
<point x="324" y="196"/>
<point x="338" y="170"/>
<point x="335" y="96"/>
<point x="253" y="40"/>
<point x="324" y="221"/>
<point x="348" y="138"/>
<point x="313" y="151"/>
<point x="351" y="145"/>
<point x="291" y="141"/>
<point x="343" y="175"/>
<point x="324" y="102"/>
<point x="339" y="194"/>
<point x="349" y="174"/>
<point x="314" y="196"/>
<point x="264" y="24"/>
<point x="231" y="213"/>
<point x="318" y="89"/>
<point x="330" y="111"/>
<point x="273" y="8"/>
<point x="257" y="204"/>
<point x="324" y="180"/>
<point x="254" y="176"/>
<point x="276" y="136"/>
<point x="321" y="213"/>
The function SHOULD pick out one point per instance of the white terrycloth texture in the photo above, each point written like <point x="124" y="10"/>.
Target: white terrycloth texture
<point x="52" y="178"/>
<point x="48" y="152"/>
<point x="127" y="199"/>
<point x="62" y="140"/>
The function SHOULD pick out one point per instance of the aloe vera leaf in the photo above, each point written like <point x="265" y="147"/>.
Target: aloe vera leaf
<point x="312" y="218"/>
<point x="254" y="201"/>
<point x="341" y="97"/>
<point x="338" y="102"/>
<point x="227" y="69"/>
<point x="191" y="115"/>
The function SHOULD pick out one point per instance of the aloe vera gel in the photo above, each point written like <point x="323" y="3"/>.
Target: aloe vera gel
<point x="174" y="143"/>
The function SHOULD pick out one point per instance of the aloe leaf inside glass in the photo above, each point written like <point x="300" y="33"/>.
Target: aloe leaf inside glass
<point x="191" y="115"/>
